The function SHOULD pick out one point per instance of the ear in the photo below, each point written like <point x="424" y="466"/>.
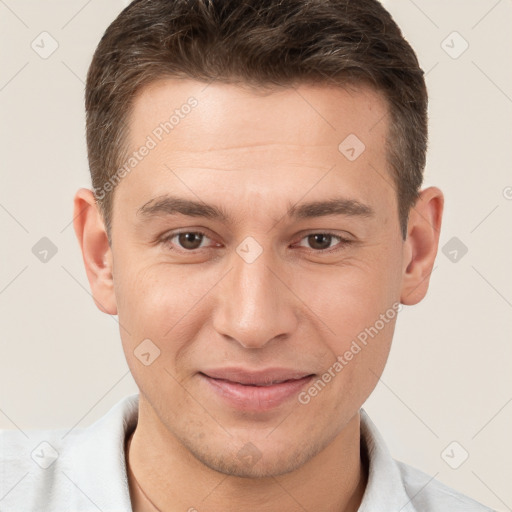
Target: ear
<point x="420" y="247"/>
<point x="96" y="251"/>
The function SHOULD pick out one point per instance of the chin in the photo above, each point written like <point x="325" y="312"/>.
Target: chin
<point x="246" y="460"/>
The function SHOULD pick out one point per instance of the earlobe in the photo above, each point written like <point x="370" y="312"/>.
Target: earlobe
<point x="420" y="247"/>
<point x="96" y="251"/>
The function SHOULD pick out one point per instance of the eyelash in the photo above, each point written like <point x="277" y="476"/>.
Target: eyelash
<point x="343" y="242"/>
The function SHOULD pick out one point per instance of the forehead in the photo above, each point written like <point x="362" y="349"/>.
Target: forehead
<point x="303" y="115"/>
<point x="270" y="143"/>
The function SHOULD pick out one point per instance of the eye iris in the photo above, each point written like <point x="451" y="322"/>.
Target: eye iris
<point x="319" y="241"/>
<point x="190" y="240"/>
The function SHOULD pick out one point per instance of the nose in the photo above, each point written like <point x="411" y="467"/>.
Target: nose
<point x="255" y="305"/>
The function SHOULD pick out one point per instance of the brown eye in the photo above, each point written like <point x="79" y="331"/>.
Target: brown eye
<point x="190" y="240"/>
<point x="320" y="241"/>
<point x="184" y="240"/>
<point x="324" y="242"/>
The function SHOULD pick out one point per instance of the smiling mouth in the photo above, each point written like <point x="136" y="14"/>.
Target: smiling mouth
<point x="257" y="384"/>
<point x="257" y="391"/>
<point x="259" y="377"/>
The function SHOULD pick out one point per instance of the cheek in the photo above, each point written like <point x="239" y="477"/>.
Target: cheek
<point x="356" y="306"/>
<point x="358" y="354"/>
<point x="161" y="303"/>
<point x="153" y="297"/>
<point x="152" y="316"/>
<point x="350" y="297"/>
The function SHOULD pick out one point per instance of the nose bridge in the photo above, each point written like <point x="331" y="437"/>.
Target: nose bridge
<point x="255" y="307"/>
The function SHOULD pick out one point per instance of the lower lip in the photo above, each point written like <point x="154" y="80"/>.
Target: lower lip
<point x="256" y="398"/>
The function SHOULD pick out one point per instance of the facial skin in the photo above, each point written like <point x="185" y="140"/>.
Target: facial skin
<point x="253" y="155"/>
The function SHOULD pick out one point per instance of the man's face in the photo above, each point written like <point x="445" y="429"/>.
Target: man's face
<point x="256" y="294"/>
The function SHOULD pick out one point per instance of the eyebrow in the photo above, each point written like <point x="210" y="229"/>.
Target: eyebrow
<point x="171" y="205"/>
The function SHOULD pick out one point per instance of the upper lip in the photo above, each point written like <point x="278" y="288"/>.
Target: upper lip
<point x="256" y="377"/>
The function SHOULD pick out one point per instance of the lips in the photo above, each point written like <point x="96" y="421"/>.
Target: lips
<point x="256" y="378"/>
<point x="259" y="390"/>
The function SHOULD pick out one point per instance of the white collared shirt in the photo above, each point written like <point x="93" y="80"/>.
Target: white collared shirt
<point x="83" y="470"/>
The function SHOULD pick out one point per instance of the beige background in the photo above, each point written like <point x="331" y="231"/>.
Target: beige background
<point x="449" y="376"/>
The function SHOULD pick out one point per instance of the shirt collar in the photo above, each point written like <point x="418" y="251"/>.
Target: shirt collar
<point x="385" y="489"/>
<point x="102" y="450"/>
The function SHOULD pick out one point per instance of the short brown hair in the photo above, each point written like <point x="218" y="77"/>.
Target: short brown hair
<point x="262" y="43"/>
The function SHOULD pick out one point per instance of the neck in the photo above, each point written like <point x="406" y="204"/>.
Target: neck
<point x="163" y="475"/>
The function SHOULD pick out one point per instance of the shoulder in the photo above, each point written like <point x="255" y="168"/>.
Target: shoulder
<point x="402" y="487"/>
<point x="28" y="459"/>
<point x="67" y="469"/>
<point x="428" y="494"/>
